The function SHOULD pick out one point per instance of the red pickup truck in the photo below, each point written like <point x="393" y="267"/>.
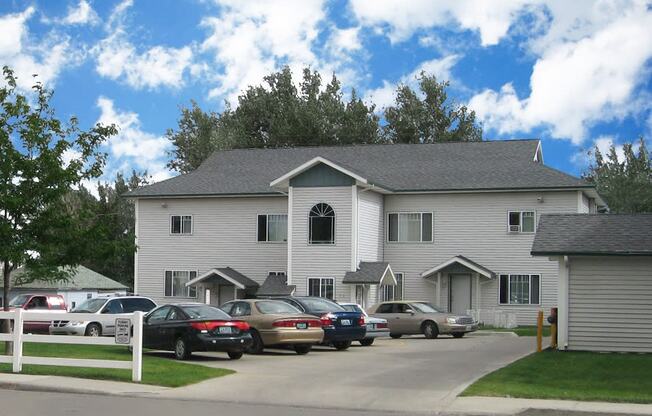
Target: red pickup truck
<point x="40" y="303"/>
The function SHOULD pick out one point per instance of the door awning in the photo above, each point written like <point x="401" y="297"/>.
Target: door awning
<point x="276" y="285"/>
<point x="460" y="261"/>
<point x="374" y="273"/>
<point x="225" y="275"/>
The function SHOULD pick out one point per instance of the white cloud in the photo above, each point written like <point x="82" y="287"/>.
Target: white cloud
<point x="491" y="19"/>
<point x="133" y="145"/>
<point x="83" y="14"/>
<point x="576" y="83"/>
<point x="251" y="39"/>
<point x="118" y="59"/>
<point x="27" y="56"/>
<point x="386" y="94"/>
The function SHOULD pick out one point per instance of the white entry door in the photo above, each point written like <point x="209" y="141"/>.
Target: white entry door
<point x="460" y="293"/>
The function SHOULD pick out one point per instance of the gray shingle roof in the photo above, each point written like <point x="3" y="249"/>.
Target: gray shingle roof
<point x="368" y="272"/>
<point x="83" y="278"/>
<point x="275" y="285"/>
<point x="238" y="277"/>
<point x="593" y="234"/>
<point x="396" y="167"/>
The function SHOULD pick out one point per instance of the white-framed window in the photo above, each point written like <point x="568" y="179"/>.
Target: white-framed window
<point x="175" y="284"/>
<point x="389" y="293"/>
<point x="520" y="289"/>
<point x="521" y="221"/>
<point x="272" y="228"/>
<point x="409" y="227"/>
<point x="323" y="287"/>
<point x="181" y="224"/>
<point x="321" y="224"/>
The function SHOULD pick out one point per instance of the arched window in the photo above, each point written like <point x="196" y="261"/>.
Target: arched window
<point x="321" y="224"/>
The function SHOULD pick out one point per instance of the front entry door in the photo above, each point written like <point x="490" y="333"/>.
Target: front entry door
<point x="460" y="293"/>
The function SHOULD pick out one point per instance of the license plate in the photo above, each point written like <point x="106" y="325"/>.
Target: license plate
<point x="469" y="327"/>
<point x="302" y="325"/>
<point x="224" y="330"/>
<point x="371" y="326"/>
<point x="345" y="322"/>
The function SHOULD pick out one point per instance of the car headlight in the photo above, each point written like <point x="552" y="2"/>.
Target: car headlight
<point x="76" y="323"/>
<point x="452" y="320"/>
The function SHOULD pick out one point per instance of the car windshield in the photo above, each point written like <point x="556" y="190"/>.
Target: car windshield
<point x="204" y="312"/>
<point x="90" y="306"/>
<point x="425" y="307"/>
<point x="19" y="301"/>
<point x="320" y="305"/>
<point x="276" y="307"/>
<point x="352" y="308"/>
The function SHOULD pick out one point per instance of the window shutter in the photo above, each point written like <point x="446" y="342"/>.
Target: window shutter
<point x="504" y="289"/>
<point x="426" y="226"/>
<point x="262" y="228"/>
<point x="168" y="283"/>
<point x="534" y="289"/>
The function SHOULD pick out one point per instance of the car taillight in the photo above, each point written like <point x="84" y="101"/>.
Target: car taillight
<point x="361" y="321"/>
<point x="291" y="323"/>
<point x="327" y="319"/>
<point x="381" y="326"/>
<point x="211" y="325"/>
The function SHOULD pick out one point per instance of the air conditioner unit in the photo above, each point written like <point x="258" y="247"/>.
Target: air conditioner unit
<point x="514" y="228"/>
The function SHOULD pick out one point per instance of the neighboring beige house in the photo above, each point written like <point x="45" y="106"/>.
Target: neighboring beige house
<point x="605" y="279"/>
<point x="451" y="223"/>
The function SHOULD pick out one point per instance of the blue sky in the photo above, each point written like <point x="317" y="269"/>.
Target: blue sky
<point x="575" y="74"/>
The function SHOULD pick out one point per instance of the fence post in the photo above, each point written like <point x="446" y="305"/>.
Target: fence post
<point x="137" y="348"/>
<point x="18" y="341"/>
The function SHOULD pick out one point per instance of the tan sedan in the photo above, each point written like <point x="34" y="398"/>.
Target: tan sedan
<point x="274" y="322"/>
<point x="417" y="317"/>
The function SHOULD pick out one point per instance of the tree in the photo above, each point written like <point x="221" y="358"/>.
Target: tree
<point x="276" y="114"/>
<point x="41" y="160"/>
<point x="113" y="225"/>
<point x="625" y="185"/>
<point x="433" y="118"/>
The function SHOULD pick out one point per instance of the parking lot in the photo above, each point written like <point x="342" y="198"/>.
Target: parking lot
<point x="407" y="374"/>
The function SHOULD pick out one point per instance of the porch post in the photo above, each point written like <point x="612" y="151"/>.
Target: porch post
<point x="477" y="292"/>
<point x="562" y="303"/>
<point x="438" y="289"/>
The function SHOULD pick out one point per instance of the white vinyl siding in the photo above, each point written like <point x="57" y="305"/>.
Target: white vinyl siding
<point x="370" y="226"/>
<point x="473" y="225"/>
<point x="223" y="239"/>
<point x="390" y="292"/>
<point x="610" y="304"/>
<point x="317" y="260"/>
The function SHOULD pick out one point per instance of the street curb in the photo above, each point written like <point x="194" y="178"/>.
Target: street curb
<point x="485" y="333"/>
<point x="6" y="385"/>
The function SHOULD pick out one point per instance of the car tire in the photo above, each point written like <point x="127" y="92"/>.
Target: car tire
<point x="257" y="346"/>
<point x="430" y="330"/>
<point x="302" y="349"/>
<point x="235" y="355"/>
<point x="342" y="345"/>
<point x="458" y="335"/>
<point x="181" y="349"/>
<point x="396" y="336"/>
<point x="366" y="342"/>
<point x="93" y="330"/>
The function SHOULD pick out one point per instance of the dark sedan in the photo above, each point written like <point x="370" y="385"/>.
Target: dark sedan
<point x="340" y="326"/>
<point x="186" y="328"/>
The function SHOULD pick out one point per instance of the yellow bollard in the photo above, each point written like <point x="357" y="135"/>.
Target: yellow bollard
<point x="553" y="336"/>
<point x="540" y="331"/>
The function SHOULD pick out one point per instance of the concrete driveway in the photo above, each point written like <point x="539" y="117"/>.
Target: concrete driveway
<point x="409" y="374"/>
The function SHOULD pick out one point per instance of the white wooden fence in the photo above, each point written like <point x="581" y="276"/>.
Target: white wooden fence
<point x="19" y="316"/>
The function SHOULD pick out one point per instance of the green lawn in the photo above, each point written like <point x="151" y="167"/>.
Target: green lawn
<point x="521" y="331"/>
<point x="160" y="371"/>
<point x="572" y="376"/>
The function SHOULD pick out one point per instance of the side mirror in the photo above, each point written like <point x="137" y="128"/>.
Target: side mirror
<point x="410" y="311"/>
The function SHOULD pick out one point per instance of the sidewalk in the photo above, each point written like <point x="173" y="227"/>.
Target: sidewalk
<point x="76" y="385"/>
<point x="460" y="405"/>
<point x="510" y="406"/>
